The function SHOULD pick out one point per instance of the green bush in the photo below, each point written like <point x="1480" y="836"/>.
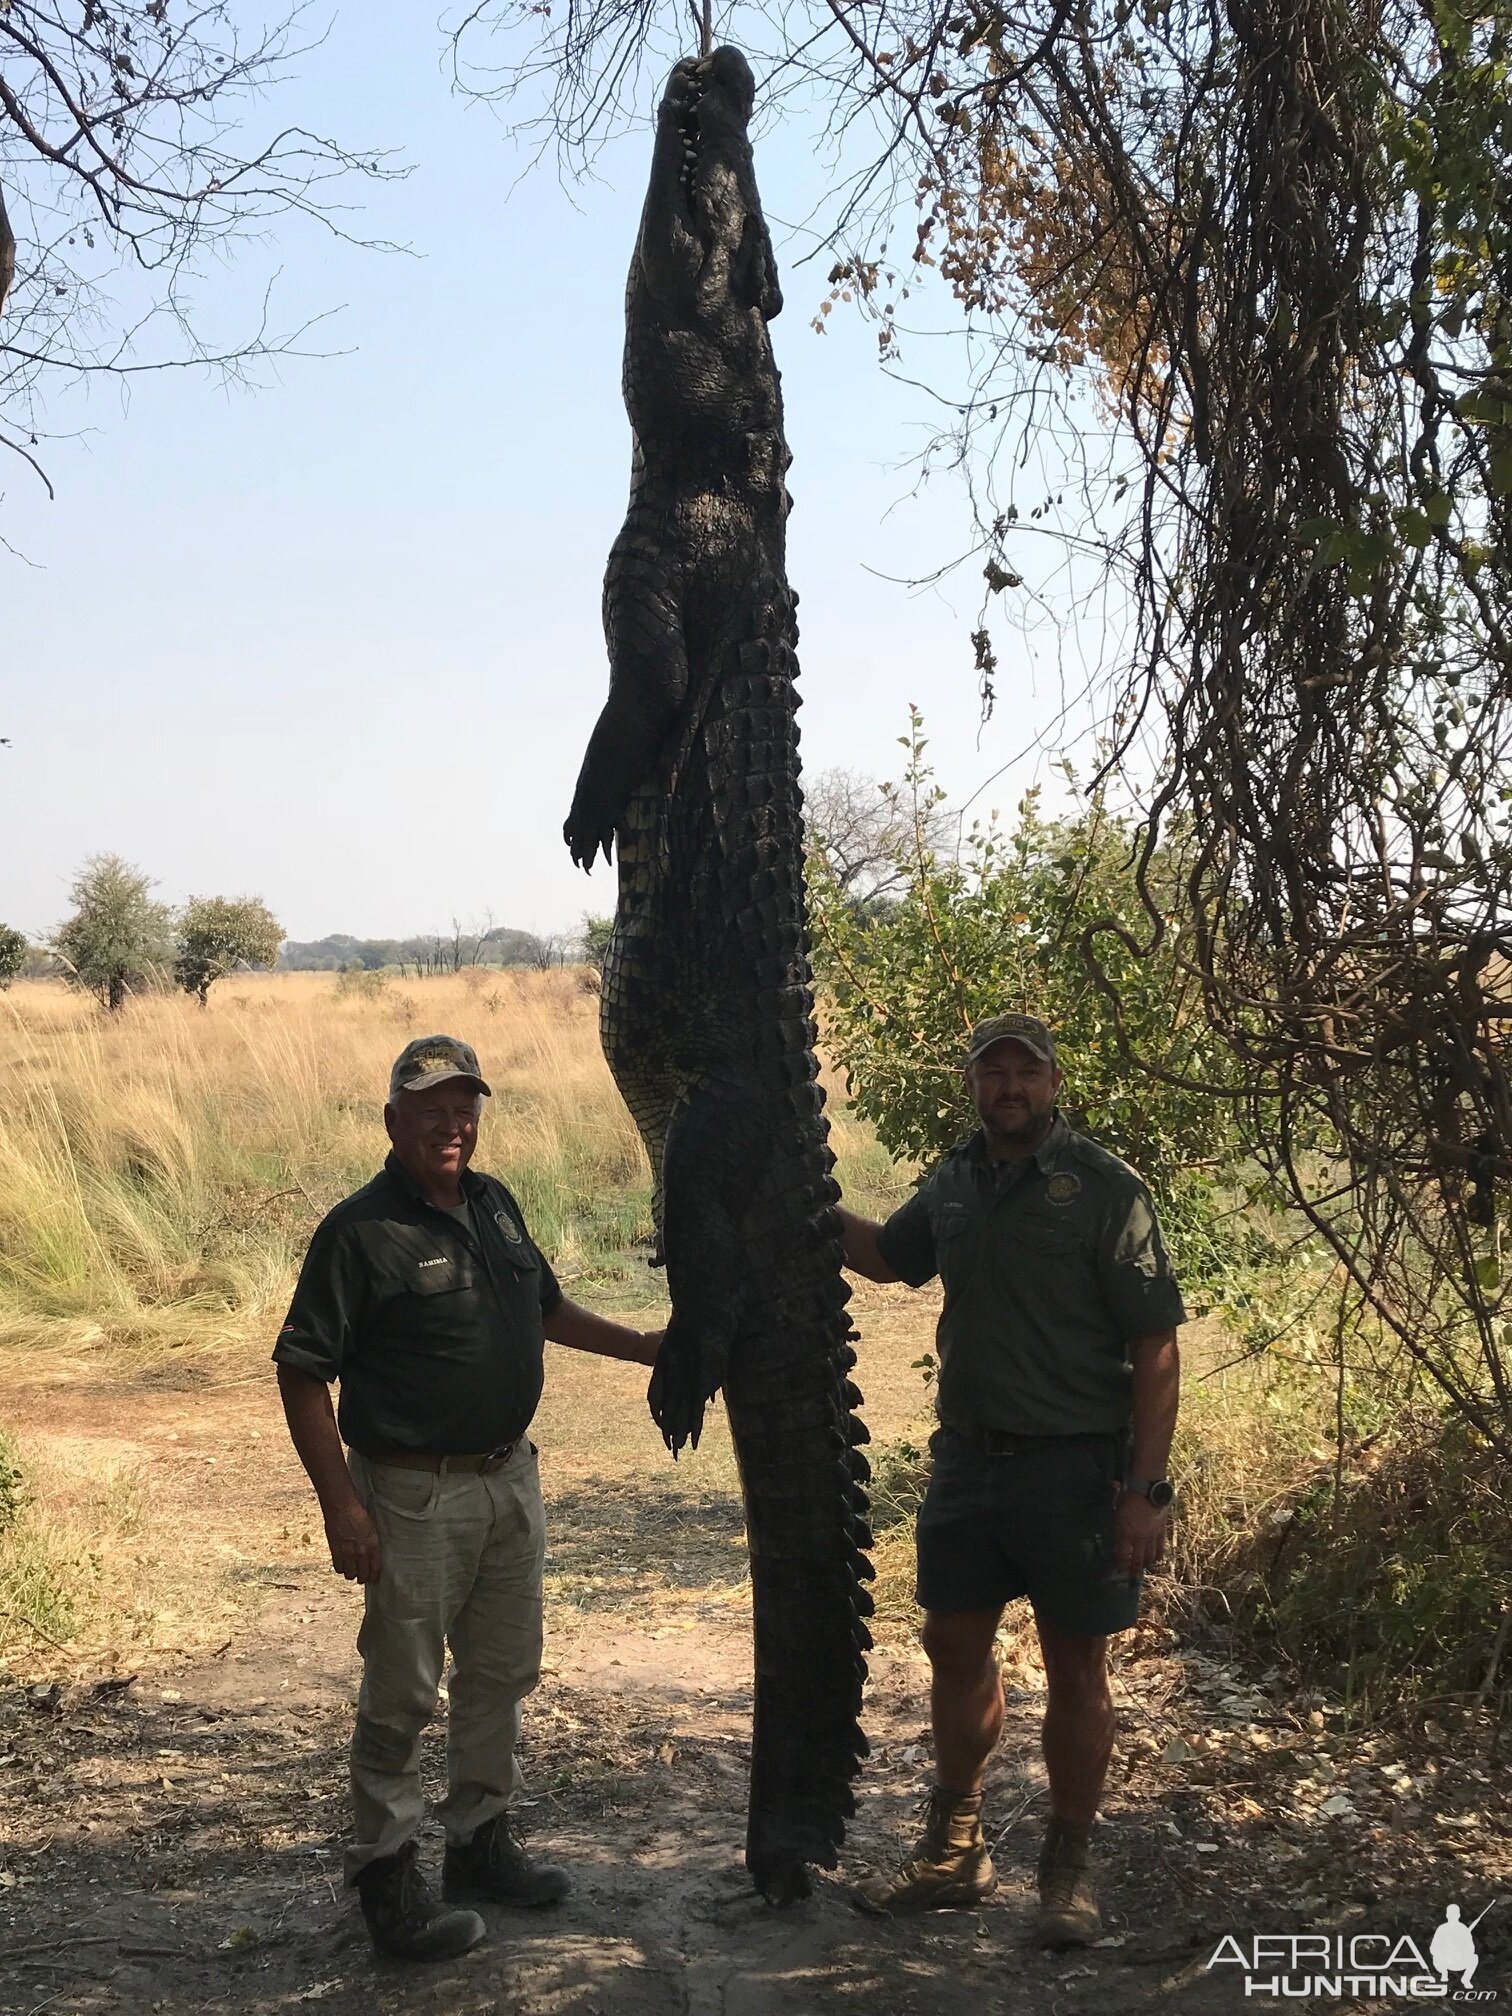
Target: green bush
<point x="116" y="942"/>
<point x="13" y="950"/>
<point x="216" y="934"/>
<point x="1001" y="925"/>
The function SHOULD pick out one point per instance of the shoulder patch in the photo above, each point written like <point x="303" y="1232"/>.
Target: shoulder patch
<point x="1063" y="1187"/>
<point x="510" y="1226"/>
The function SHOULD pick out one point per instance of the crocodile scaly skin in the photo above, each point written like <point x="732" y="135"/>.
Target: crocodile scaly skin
<point x="708" y="1023"/>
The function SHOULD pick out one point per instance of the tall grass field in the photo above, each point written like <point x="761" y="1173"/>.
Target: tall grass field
<point x="161" y="1170"/>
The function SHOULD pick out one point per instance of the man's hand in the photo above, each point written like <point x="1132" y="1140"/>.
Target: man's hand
<point x="1139" y="1532"/>
<point x="356" y="1551"/>
<point x="651" y="1339"/>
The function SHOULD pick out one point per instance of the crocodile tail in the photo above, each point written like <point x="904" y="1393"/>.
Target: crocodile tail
<point x="797" y="1437"/>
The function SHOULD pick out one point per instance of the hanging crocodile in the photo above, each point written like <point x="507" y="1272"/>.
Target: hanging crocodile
<point x="707" y="1017"/>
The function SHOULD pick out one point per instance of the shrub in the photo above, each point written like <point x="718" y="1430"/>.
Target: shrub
<point x="13" y="953"/>
<point x="117" y="936"/>
<point x="218" y="933"/>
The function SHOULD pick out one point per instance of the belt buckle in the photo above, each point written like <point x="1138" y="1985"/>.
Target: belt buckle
<point x="495" y="1457"/>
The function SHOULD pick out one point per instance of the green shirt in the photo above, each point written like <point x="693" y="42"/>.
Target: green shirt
<point x="1051" y="1265"/>
<point x="430" y="1319"/>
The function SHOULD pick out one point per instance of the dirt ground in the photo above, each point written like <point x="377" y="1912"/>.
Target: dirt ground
<point x="171" y="1815"/>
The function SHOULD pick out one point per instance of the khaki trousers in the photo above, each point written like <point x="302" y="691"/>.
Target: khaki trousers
<point x="462" y="1561"/>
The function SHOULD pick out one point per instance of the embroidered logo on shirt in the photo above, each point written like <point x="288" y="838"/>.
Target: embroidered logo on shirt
<point x="1063" y="1187"/>
<point x="513" y="1231"/>
<point x="439" y="1261"/>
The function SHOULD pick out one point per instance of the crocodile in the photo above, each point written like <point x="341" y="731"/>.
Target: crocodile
<point x="691" y="777"/>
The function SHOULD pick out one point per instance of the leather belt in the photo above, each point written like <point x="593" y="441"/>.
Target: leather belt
<point x="1004" y="1442"/>
<point x="425" y="1459"/>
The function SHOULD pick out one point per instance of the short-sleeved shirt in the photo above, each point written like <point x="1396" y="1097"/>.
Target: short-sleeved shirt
<point x="1051" y="1265"/>
<point x="430" y="1319"/>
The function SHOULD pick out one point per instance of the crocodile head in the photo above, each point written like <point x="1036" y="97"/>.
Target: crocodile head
<point x="708" y="100"/>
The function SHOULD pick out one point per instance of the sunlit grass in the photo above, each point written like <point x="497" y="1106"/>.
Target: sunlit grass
<point x="161" y="1170"/>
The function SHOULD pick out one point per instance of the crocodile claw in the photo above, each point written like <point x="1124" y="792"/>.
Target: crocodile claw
<point x="584" y="843"/>
<point x="674" y="1395"/>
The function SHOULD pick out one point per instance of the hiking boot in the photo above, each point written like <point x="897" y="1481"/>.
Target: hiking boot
<point x="405" y="1919"/>
<point x="1068" y="1913"/>
<point x="949" y="1864"/>
<point x="494" y="1865"/>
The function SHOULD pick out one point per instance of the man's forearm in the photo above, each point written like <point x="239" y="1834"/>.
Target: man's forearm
<point x="312" y="1430"/>
<point x="580" y="1330"/>
<point x="862" y="1254"/>
<point x="1156" y="1366"/>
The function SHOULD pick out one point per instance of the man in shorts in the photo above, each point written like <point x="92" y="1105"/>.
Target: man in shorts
<point x="1057" y="1399"/>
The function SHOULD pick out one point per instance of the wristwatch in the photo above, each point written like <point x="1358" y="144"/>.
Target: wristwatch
<point x="1159" y="1490"/>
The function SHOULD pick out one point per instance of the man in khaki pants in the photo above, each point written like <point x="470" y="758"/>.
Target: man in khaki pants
<point x="426" y="1298"/>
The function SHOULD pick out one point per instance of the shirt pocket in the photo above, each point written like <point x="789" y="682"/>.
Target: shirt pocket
<point x="950" y="1222"/>
<point x="1052" y="1237"/>
<point x="432" y="1279"/>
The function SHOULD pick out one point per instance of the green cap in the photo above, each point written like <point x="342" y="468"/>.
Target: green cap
<point x="430" y="1061"/>
<point x="1026" y="1029"/>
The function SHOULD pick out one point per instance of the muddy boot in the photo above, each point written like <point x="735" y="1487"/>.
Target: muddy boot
<point x="1068" y="1914"/>
<point x="494" y="1865"/>
<point x="405" y="1920"/>
<point x="950" y="1864"/>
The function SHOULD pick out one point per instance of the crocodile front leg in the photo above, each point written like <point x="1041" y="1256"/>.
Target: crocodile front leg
<point x="648" y="678"/>
<point x="715" y="1151"/>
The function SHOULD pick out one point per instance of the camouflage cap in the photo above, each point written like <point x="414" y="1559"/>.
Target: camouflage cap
<point x="430" y="1061"/>
<point x="1026" y="1029"/>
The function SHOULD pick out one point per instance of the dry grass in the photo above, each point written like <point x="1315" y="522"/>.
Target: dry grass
<point x="161" y="1170"/>
<point x="160" y="1174"/>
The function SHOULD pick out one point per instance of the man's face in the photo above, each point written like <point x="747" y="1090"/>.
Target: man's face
<point x="434" y="1132"/>
<point x="1014" y="1093"/>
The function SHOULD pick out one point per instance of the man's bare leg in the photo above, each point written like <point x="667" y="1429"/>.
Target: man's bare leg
<point x="950" y="1864"/>
<point x="1078" y="1732"/>
<point x="1078" y="1744"/>
<point x="965" y="1694"/>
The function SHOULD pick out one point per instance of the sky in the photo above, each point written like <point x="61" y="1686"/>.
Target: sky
<point x="335" y="642"/>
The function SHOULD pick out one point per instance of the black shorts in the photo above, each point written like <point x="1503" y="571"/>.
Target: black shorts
<point x="1037" y="1523"/>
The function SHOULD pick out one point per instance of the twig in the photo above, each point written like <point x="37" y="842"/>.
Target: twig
<point x="8" y="1953"/>
<point x="1016" y="1815"/>
<point x="17" y="1617"/>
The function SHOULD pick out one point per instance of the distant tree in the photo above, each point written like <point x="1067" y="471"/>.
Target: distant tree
<point x="117" y="934"/>
<point x="541" y="951"/>
<point x="217" y="933"/>
<point x="13" y="951"/>
<point x="597" y="931"/>
<point x="866" y="834"/>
